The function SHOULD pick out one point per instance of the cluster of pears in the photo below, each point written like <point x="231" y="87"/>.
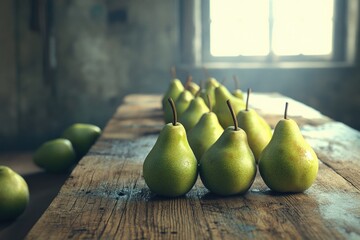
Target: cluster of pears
<point x="190" y="101"/>
<point x="226" y="160"/>
<point x="223" y="158"/>
<point x="58" y="155"/>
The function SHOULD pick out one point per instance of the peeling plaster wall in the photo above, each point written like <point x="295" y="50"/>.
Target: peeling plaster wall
<point x="99" y="59"/>
<point x="103" y="50"/>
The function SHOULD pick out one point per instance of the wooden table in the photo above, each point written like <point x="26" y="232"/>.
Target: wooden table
<point x="105" y="197"/>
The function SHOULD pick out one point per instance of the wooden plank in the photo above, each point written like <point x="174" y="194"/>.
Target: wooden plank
<point x="338" y="146"/>
<point x="106" y="196"/>
<point x="139" y="115"/>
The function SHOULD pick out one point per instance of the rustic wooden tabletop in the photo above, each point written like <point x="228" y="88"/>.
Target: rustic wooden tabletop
<point x="105" y="197"/>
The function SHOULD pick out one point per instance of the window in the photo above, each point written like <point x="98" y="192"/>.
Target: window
<point x="280" y="27"/>
<point x="269" y="31"/>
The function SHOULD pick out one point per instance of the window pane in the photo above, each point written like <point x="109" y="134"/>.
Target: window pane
<point x="303" y="27"/>
<point x="239" y="27"/>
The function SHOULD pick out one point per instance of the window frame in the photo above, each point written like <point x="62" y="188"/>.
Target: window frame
<point x="195" y="49"/>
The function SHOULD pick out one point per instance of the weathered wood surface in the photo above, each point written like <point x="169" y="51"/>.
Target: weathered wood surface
<point x="106" y="197"/>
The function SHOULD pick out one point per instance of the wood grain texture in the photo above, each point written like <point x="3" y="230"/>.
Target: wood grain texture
<point x="106" y="197"/>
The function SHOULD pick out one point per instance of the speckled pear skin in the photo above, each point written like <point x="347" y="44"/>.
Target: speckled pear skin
<point x="220" y="108"/>
<point x="288" y="163"/>
<point x="170" y="168"/>
<point x="257" y="130"/>
<point x="174" y="90"/>
<point x="204" y="134"/>
<point x="228" y="167"/>
<point x="193" y="113"/>
<point x="182" y="103"/>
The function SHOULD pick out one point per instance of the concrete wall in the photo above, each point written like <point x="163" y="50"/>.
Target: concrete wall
<point x="107" y="49"/>
<point x="8" y="84"/>
<point x="103" y="51"/>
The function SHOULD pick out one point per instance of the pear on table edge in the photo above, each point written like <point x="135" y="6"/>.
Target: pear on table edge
<point x="170" y="168"/>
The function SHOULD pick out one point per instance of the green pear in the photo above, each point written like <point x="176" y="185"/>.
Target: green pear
<point x="55" y="155"/>
<point x="222" y="94"/>
<point x="183" y="102"/>
<point x="288" y="163"/>
<point x="193" y="113"/>
<point x="192" y="86"/>
<point x="204" y="133"/>
<point x="174" y="90"/>
<point x="82" y="136"/>
<point x="204" y="95"/>
<point x="237" y="91"/>
<point x="209" y="90"/>
<point x="228" y="167"/>
<point x="212" y="82"/>
<point x="170" y="168"/>
<point x="14" y="194"/>
<point x="257" y="130"/>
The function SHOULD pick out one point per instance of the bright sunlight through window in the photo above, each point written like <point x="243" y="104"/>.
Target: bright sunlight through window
<point x="283" y="27"/>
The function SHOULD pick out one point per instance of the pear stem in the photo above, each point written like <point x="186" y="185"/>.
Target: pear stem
<point x="173" y="108"/>
<point x="188" y="81"/>
<point x="209" y="102"/>
<point x="236" y="127"/>
<point x="286" y="109"/>
<point x="173" y="72"/>
<point x="247" y="99"/>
